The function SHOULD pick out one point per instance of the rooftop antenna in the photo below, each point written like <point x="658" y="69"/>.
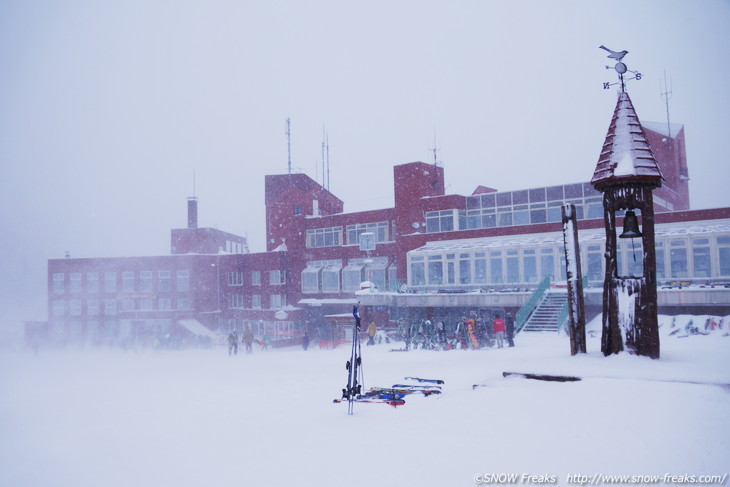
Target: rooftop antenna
<point x="288" y="143"/>
<point x="193" y="183"/>
<point x="435" y="148"/>
<point x="667" y="95"/>
<point x="328" y="161"/>
<point x="323" y="148"/>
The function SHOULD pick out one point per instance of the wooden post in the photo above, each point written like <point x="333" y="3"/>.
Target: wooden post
<point x="576" y="308"/>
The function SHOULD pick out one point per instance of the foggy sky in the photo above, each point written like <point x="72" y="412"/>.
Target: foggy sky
<point x="107" y="108"/>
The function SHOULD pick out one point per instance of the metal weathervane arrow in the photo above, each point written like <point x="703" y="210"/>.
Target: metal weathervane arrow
<point x="620" y="68"/>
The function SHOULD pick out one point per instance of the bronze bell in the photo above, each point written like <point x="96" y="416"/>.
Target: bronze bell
<point x="631" y="226"/>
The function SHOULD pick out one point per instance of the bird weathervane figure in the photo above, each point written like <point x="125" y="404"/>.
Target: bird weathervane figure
<point x="620" y="68"/>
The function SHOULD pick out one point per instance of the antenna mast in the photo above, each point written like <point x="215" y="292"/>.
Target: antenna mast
<point x="288" y="142"/>
<point x="667" y="94"/>
<point x="328" y="161"/>
<point x="434" y="149"/>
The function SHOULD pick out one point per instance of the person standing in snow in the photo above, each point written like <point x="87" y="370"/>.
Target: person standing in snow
<point x="499" y="329"/>
<point x="371" y="333"/>
<point x="510" y="326"/>
<point x="233" y="343"/>
<point x="305" y="341"/>
<point x="248" y="338"/>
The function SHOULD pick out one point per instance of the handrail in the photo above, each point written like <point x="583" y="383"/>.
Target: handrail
<point x="562" y="317"/>
<point x="531" y="303"/>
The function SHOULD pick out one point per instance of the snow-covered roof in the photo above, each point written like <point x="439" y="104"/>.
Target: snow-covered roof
<point x="626" y="154"/>
<point x="662" y="128"/>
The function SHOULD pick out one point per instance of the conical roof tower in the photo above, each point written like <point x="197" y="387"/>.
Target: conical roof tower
<point x="626" y="156"/>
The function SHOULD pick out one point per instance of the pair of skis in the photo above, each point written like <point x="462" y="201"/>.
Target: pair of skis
<point x="354" y="368"/>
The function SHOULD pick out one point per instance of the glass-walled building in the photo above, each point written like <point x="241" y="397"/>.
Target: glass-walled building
<point x="688" y="253"/>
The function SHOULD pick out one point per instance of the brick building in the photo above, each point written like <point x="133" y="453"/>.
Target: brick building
<point x="427" y="246"/>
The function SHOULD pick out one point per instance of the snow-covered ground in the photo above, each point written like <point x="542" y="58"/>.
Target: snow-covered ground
<point x="202" y="418"/>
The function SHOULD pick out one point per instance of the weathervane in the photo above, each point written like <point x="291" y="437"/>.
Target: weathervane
<point x="620" y="68"/>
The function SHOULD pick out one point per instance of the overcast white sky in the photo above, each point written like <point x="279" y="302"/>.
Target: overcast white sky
<point x="107" y="108"/>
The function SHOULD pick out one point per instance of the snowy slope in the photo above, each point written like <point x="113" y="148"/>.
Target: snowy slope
<point x="201" y="418"/>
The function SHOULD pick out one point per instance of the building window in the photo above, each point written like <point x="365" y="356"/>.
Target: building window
<point x="331" y="277"/>
<point x="128" y="281"/>
<point x="183" y="281"/>
<point x="58" y="280"/>
<point x="440" y="221"/>
<point x="256" y="301"/>
<point x="595" y="263"/>
<point x="297" y="209"/>
<point x="163" y="281"/>
<point x="110" y="282"/>
<point x="74" y="307"/>
<point x="513" y="266"/>
<point x="547" y="263"/>
<point x="146" y="304"/>
<point x="495" y="268"/>
<point x="277" y="277"/>
<point x="701" y="257"/>
<point x="110" y="307"/>
<point x="92" y="282"/>
<point x="324" y="237"/>
<point x="57" y="307"/>
<point x="92" y="307"/>
<point x="235" y="278"/>
<point x="678" y="258"/>
<point x="435" y="270"/>
<point x="235" y="301"/>
<point x="278" y="301"/>
<point x="255" y="278"/>
<point x="311" y="278"/>
<point x="74" y="282"/>
<point x="480" y="268"/>
<point x="464" y="269"/>
<point x="723" y="247"/>
<point x="164" y="303"/>
<point x="418" y="271"/>
<point x="379" y="229"/>
<point x="529" y="264"/>
<point x="127" y="304"/>
<point x="660" y="272"/>
<point x="183" y="303"/>
<point x="145" y="281"/>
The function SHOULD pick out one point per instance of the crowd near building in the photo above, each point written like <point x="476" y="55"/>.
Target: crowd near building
<point x="432" y="256"/>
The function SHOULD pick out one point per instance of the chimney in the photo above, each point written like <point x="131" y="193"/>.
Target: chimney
<point x="193" y="212"/>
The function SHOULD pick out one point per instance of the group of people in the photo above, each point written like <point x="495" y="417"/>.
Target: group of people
<point x="247" y="339"/>
<point x="467" y="333"/>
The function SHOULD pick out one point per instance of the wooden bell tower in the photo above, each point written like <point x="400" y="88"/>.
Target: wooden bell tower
<point x="626" y="174"/>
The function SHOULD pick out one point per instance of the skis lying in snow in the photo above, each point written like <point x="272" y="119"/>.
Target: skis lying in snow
<point x="430" y="381"/>
<point x="388" y="392"/>
<point x="395" y="402"/>
<point x="414" y="386"/>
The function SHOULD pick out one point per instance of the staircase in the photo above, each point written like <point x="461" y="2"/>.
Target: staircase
<point x="546" y="314"/>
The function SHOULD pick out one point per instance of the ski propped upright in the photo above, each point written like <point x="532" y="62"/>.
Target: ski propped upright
<point x="351" y="392"/>
<point x="430" y="381"/>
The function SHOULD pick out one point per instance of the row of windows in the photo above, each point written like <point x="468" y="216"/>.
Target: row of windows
<point x="129" y="281"/>
<point x="331" y="277"/>
<point x="332" y="236"/>
<point x="676" y="258"/>
<point x="507" y="216"/>
<point x="496" y="267"/>
<point x="145" y="281"/>
<point x="276" y="301"/>
<point x="111" y="307"/>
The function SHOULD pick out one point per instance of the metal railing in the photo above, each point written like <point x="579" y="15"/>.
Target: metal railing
<point x="531" y="303"/>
